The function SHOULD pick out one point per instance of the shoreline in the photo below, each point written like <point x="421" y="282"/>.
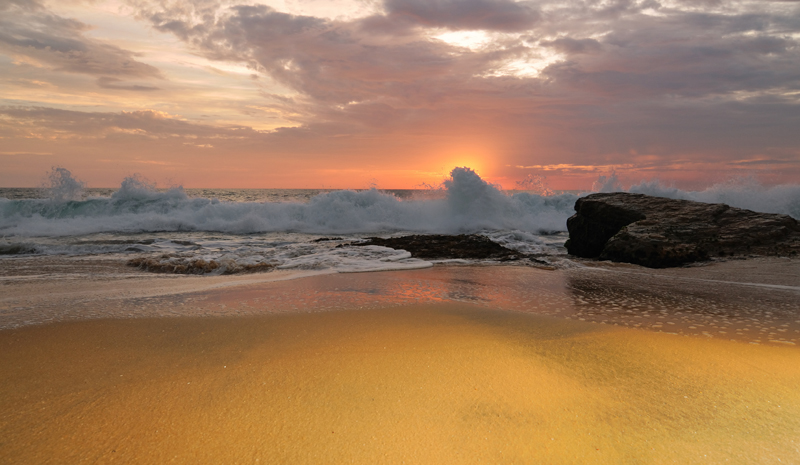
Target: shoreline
<point x="746" y="300"/>
<point x="768" y="272"/>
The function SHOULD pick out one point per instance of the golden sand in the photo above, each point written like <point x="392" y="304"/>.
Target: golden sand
<point x="444" y="383"/>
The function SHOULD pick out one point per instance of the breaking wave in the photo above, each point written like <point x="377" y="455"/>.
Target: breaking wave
<point x="470" y="204"/>
<point x="745" y="193"/>
<point x="169" y="231"/>
<point x="741" y="193"/>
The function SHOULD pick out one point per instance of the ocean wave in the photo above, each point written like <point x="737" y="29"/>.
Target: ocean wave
<point x="470" y="204"/>
<point x="170" y="231"/>
<point x="741" y="193"/>
<point x="746" y="192"/>
<point x="316" y="257"/>
<point x="467" y="204"/>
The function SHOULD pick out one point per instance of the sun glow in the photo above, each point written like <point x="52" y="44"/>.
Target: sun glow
<point x="473" y="162"/>
<point x="473" y="40"/>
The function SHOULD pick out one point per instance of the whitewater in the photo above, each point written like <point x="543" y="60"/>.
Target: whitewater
<point x="306" y="230"/>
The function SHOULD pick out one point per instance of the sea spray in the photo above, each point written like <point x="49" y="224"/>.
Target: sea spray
<point x="170" y="230"/>
<point x="607" y="184"/>
<point x="471" y="205"/>
<point x="745" y="193"/>
<point x="536" y="184"/>
<point x="61" y="186"/>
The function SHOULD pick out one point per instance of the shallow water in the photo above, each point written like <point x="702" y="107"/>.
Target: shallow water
<point x="636" y="297"/>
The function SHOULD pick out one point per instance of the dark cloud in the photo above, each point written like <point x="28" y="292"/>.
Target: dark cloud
<point x="617" y="62"/>
<point x="683" y="54"/>
<point x="28" y="5"/>
<point x="116" y="83"/>
<point x="330" y="62"/>
<point x="58" y="43"/>
<point x="570" y="46"/>
<point x="609" y="48"/>
<point x="590" y="78"/>
<point x="494" y="15"/>
<point x="53" y="123"/>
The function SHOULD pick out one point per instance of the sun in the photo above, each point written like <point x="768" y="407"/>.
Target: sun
<point x="475" y="161"/>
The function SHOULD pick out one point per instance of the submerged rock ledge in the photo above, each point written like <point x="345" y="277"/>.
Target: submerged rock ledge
<point x="658" y="232"/>
<point x="441" y="246"/>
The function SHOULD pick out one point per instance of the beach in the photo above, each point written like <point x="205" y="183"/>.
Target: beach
<point x="399" y="231"/>
<point x="450" y="364"/>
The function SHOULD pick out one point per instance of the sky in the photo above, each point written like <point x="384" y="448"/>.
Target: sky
<point x="395" y="93"/>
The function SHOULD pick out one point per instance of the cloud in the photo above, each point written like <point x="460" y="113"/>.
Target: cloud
<point x="608" y="48"/>
<point x="570" y="46"/>
<point x="765" y="161"/>
<point x="328" y="62"/>
<point x="26" y="154"/>
<point x="116" y="83"/>
<point x="569" y="66"/>
<point x="37" y="37"/>
<point x="492" y="15"/>
<point x="28" y="5"/>
<point x="53" y="123"/>
<point x="577" y="83"/>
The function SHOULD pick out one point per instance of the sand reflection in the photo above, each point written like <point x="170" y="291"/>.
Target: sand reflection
<point x="690" y="307"/>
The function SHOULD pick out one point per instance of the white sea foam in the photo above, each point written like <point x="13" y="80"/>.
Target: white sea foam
<point x="745" y="193"/>
<point x="176" y="233"/>
<point x="61" y="186"/>
<point x="471" y="204"/>
<point x="178" y="230"/>
<point x="307" y="256"/>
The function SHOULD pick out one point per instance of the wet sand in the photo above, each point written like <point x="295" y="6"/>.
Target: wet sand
<point x="755" y="300"/>
<point x="447" y="383"/>
<point x="446" y="365"/>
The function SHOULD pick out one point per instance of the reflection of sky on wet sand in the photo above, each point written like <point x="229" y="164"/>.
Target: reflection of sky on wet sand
<point x="696" y="307"/>
<point x="510" y="288"/>
<point x="641" y="299"/>
<point x="722" y="310"/>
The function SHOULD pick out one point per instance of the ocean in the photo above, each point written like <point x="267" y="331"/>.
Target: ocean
<point x="226" y="231"/>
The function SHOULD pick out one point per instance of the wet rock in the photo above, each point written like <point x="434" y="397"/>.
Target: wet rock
<point x="178" y="265"/>
<point x="440" y="246"/>
<point x="658" y="232"/>
<point x="327" y="239"/>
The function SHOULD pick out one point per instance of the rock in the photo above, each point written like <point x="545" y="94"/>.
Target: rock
<point x="328" y="239"/>
<point x="178" y="265"/>
<point x="439" y="246"/>
<point x="658" y="232"/>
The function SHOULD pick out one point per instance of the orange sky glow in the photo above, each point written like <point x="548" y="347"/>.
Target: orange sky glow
<point x="395" y="93"/>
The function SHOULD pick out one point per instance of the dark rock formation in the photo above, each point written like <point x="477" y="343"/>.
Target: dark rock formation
<point x="178" y="265"/>
<point x="658" y="232"/>
<point x="437" y="246"/>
